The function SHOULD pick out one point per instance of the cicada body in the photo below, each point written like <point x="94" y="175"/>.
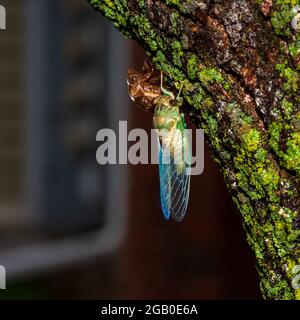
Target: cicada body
<point x="173" y="144"/>
<point x="174" y="157"/>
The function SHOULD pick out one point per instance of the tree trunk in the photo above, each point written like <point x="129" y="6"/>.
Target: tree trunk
<point x="238" y="62"/>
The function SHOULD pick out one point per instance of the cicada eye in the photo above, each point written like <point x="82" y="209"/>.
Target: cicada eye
<point x="173" y="103"/>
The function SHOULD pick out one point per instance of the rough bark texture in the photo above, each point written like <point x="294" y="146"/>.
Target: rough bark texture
<point x="238" y="62"/>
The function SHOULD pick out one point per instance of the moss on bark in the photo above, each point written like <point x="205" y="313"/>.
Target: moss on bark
<point x="238" y="62"/>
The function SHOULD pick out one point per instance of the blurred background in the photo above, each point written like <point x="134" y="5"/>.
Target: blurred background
<point x="70" y="228"/>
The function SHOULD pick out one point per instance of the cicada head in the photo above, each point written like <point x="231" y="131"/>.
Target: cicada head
<point x="166" y="114"/>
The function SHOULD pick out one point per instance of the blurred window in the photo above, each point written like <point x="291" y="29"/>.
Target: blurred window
<point x="59" y="86"/>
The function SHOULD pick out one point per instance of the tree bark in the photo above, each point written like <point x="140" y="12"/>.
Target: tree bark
<point x="238" y="62"/>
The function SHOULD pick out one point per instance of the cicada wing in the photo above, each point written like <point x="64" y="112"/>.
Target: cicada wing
<point x="164" y="180"/>
<point x="174" y="172"/>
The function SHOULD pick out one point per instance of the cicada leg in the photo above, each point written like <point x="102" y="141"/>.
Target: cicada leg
<point x="163" y="90"/>
<point x="179" y="93"/>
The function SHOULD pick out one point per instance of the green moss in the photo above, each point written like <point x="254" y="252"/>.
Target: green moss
<point x="200" y="100"/>
<point x="196" y="99"/>
<point x="172" y="72"/>
<point x="177" y="4"/>
<point x="251" y="140"/>
<point x="268" y="177"/>
<point x="295" y="122"/>
<point x="260" y="155"/>
<point x="141" y="4"/>
<point x="282" y="18"/>
<point x="292" y="3"/>
<point x="294" y="49"/>
<point x="256" y="176"/>
<point x="213" y="124"/>
<point x="192" y="66"/>
<point x="173" y="2"/>
<point x="175" y="16"/>
<point x="209" y="76"/>
<point x="177" y="53"/>
<point x="242" y="181"/>
<point x="116" y="11"/>
<point x="246" y="119"/>
<point x="291" y="156"/>
<point x="279" y="290"/>
<point x="145" y="30"/>
<point x="289" y="75"/>
<point x="274" y="131"/>
<point x="287" y="108"/>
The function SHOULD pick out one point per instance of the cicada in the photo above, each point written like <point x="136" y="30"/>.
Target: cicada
<point x="174" y="155"/>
